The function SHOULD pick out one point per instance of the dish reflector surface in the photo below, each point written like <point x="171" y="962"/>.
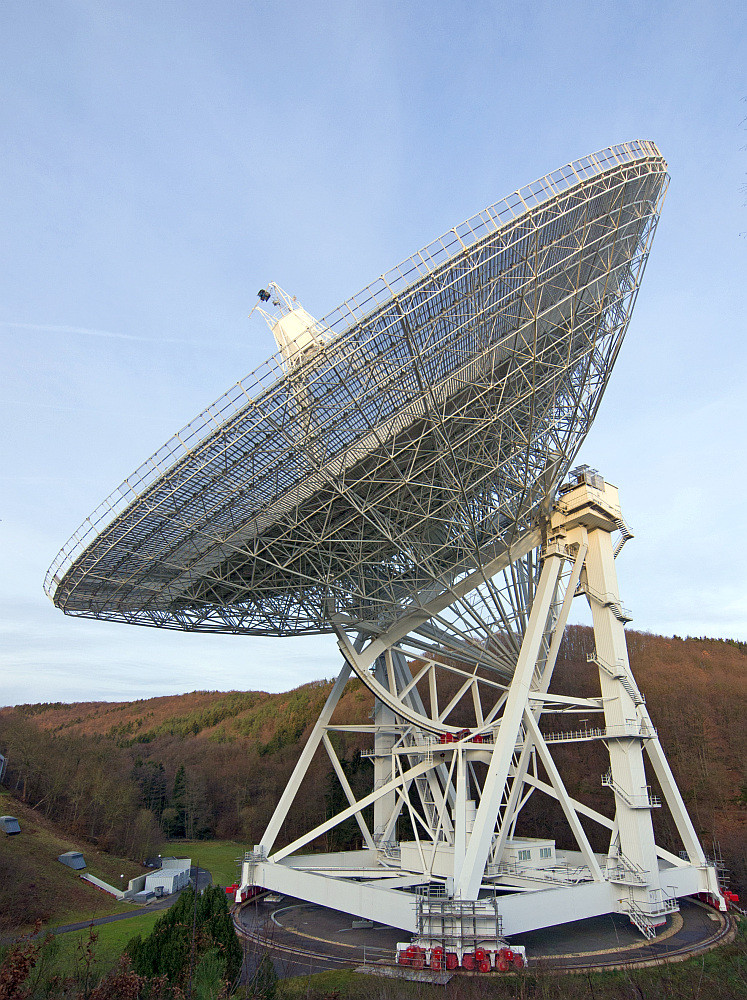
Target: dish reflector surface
<point x="422" y="438"/>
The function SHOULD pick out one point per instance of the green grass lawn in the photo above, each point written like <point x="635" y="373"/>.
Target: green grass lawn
<point x="111" y="940"/>
<point x="217" y="856"/>
<point x="84" y="957"/>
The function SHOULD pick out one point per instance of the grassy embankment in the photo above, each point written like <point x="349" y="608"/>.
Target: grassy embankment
<point x="33" y="875"/>
<point x="70" y="899"/>
<point x="65" y="955"/>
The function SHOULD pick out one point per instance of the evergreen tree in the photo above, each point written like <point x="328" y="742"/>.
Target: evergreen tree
<point x="184" y="935"/>
<point x="179" y="803"/>
<point x="150" y="777"/>
<point x="208" y="982"/>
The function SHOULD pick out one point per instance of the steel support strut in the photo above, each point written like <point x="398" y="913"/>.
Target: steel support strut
<point x="427" y="769"/>
<point x="470" y="879"/>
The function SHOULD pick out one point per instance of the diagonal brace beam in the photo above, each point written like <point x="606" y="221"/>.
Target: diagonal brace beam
<point x="342" y="778"/>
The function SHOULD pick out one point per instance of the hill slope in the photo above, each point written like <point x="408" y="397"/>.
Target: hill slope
<point x="215" y="763"/>
<point x="35" y="885"/>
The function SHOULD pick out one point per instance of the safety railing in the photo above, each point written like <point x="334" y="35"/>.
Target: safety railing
<point x="422" y="264"/>
<point x="645" y="799"/>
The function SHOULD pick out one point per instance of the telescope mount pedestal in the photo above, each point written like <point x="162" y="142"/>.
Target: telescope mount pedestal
<point x="462" y="875"/>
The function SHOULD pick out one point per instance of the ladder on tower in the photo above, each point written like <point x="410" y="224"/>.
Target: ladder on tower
<point x="625" y="535"/>
<point x="609" y="601"/>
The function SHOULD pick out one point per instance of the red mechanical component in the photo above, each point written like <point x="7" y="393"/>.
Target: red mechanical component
<point x="480" y="954"/>
<point x="484" y="966"/>
<point x="452" y="961"/>
<point x="435" y="962"/>
<point x="468" y="961"/>
<point x="502" y="965"/>
<point x="518" y="961"/>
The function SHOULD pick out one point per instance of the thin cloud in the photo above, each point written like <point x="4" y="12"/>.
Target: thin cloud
<point x="85" y="332"/>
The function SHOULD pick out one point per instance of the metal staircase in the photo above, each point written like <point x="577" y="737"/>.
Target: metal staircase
<point x="618" y="673"/>
<point x="625" y="535"/>
<point x="626" y="872"/>
<point x="644" y="800"/>
<point x="647" y="917"/>
<point x="610" y="601"/>
<point x="641" y="920"/>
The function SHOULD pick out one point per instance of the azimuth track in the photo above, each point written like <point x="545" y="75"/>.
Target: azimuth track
<point x="587" y="946"/>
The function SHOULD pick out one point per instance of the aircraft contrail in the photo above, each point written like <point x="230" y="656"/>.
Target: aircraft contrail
<point x="84" y="331"/>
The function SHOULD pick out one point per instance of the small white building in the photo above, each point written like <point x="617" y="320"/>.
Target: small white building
<point x="521" y="852"/>
<point x="530" y="852"/>
<point x="171" y="877"/>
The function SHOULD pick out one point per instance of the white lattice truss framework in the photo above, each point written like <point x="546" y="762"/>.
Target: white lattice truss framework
<point x="390" y="475"/>
<point x="464" y="798"/>
<point x="422" y="436"/>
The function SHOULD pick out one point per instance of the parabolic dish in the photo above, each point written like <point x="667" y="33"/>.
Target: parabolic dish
<point x="421" y="438"/>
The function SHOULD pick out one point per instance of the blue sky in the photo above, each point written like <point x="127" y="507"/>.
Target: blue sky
<point x="161" y="161"/>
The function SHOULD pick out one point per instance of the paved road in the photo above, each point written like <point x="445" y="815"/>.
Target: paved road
<point x="204" y="878"/>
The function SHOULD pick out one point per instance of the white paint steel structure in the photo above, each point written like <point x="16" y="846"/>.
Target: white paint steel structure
<point x="465" y="820"/>
<point x="391" y="475"/>
<point x="419" y="438"/>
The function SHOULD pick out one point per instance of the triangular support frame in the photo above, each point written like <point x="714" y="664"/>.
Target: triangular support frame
<point x="461" y="790"/>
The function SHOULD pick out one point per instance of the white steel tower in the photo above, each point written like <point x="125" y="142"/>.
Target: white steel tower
<point x="464" y="825"/>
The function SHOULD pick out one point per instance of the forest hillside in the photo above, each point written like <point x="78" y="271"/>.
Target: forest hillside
<point x="121" y="776"/>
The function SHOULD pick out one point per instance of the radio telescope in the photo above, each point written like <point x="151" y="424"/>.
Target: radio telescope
<point x="398" y="474"/>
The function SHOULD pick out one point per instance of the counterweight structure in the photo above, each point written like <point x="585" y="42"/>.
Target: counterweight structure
<point x="393" y="475"/>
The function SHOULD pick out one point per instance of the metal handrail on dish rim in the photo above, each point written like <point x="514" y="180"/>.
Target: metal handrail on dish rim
<point x="346" y="315"/>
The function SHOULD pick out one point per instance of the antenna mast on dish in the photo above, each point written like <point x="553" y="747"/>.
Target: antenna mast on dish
<point x="298" y="335"/>
<point x="397" y="475"/>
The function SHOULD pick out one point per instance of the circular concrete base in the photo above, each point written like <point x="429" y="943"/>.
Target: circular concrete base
<point x="611" y="940"/>
<point x="303" y="938"/>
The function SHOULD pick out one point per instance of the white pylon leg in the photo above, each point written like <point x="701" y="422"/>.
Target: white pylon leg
<point x="624" y="722"/>
<point x="312" y="744"/>
<point x="429" y="769"/>
<point x="460" y="817"/>
<point x="511" y="811"/>
<point x="471" y="875"/>
<point x="589" y="514"/>
<point x="384" y="739"/>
